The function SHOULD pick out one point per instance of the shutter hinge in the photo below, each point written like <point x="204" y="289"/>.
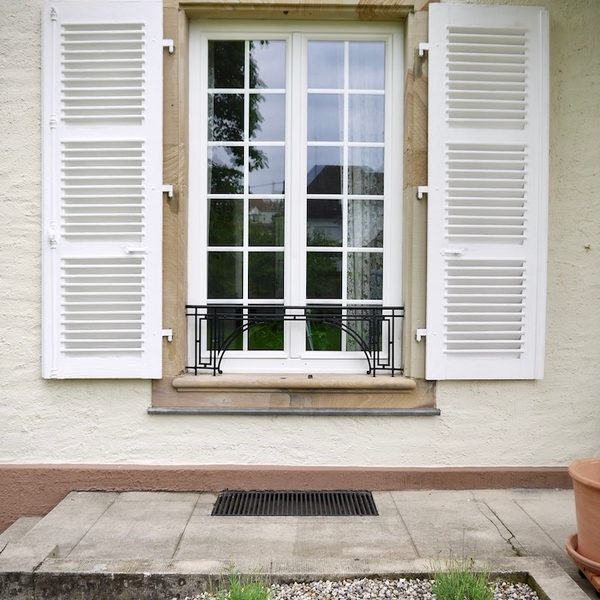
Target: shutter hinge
<point x="420" y="334"/>
<point x="52" y="240"/>
<point x="423" y="47"/>
<point x="170" y="45"/>
<point x="421" y="191"/>
<point x="168" y="190"/>
<point x="168" y="333"/>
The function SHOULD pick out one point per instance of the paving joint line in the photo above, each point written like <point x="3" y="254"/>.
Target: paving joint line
<point x="185" y="527"/>
<point x="539" y="526"/>
<point x="117" y="494"/>
<point x="410" y="537"/>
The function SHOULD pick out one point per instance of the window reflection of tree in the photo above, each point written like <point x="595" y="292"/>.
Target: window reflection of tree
<point x="227" y="121"/>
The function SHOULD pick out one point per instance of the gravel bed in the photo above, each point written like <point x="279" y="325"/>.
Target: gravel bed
<point x="376" y="589"/>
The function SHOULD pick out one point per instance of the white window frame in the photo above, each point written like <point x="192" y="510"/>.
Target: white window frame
<point x="296" y="359"/>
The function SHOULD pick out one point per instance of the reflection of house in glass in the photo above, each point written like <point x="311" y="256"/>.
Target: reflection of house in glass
<point x="324" y="179"/>
<point x="362" y="180"/>
<point x="266" y="222"/>
<point x="324" y="222"/>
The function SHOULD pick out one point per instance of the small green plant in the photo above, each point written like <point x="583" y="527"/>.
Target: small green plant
<point x="240" y="590"/>
<point x="459" y="581"/>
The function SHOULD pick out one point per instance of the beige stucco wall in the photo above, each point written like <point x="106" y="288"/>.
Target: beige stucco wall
<point x="548" y="422"/>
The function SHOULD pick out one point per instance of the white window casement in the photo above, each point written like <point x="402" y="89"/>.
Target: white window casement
<point x="295" y="188"/>
<point x="296" y="201"/>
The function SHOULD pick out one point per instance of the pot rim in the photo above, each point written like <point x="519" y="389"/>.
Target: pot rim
<point x="574" y="474"/>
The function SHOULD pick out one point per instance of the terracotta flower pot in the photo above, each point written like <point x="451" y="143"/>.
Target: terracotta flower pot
<point x="586" y="484"/>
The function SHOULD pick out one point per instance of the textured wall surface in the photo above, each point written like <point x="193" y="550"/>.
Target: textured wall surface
<point x="548" y="422"/>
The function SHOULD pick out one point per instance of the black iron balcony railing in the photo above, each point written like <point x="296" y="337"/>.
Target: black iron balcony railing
<point x="373" y="330"/>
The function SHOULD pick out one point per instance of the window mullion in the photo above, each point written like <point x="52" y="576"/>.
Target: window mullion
<point x="296" y="242"/>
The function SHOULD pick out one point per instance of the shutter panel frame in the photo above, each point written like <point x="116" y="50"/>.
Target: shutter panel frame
<point x="101" y="189"/>
<point x="488" y="192"/>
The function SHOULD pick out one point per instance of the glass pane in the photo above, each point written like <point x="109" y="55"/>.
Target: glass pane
<point x="365" y="118"/>
<point x="326" y="65"/>
<point x="267" y="117"/>
<point x="266" y="222"/>
<point x="366" y="329"/>
<point x="265" y="275"/>
<point x="324" y="170"/>
<point x="267" y="170"/>
<point x="267" y="64"/>
<point x="322" y="333"/>
<point x="365" y="223"/>
<point x="365" y="171"/>
<point x="226" y="117"/>
<point x="323" y="275"/>
<point x="225" y="170"/>
<point x="226" y="64"/>
<point x="367" y="65"/>
<point x="325" y="117"/>
<point x="225" y="275"/>
<point x="365" y="275"/>
<point x="225" y="222"/>
<point x="267" y="334"/>
<point x="324" y="223"/>
<point x="228" y="327"/>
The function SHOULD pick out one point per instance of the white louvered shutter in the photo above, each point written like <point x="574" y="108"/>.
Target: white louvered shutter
<point x="102" y="204"/>
<point x="487" y="202"/>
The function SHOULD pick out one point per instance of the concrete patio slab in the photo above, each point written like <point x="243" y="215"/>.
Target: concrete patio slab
<point x="135" y="538"/>
<point x="65" y="525"/>
<point x="449" y="523"/>
<point x="138" y="526"/>
<point x="17" y="530"/>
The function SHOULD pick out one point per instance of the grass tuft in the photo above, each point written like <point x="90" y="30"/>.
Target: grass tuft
<point x="459" y="581"/>
<point x="240" y="590"/>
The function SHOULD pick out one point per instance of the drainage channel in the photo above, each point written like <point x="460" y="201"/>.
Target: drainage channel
<point x="269" y="503"/>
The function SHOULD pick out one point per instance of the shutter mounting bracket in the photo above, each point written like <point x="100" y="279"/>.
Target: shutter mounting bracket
<point x="421" y="191"/>
<point x="168" y="333"/>
<point x="169" y="44"/>
<point x="420" y="334"/>
<point x="168" y="190"/>
<point x="423" y="47"/>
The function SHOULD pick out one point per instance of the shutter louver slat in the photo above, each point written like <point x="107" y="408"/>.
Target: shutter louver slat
<point x="487" y="192"/>
<point x="91" y="65"/>
<point x="102" y="89"/>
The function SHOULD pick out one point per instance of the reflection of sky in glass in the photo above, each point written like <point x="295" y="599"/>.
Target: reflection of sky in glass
<point x="268" y="175"/>
<point x="271" y="109"/>
<point x="324" y="171"/>
<point x="269" y="58"/>
<point x="367" y="62"/>
<point x="366" y="118"/>
<point x="325" y="117"/>
<point x="326" y="65"/>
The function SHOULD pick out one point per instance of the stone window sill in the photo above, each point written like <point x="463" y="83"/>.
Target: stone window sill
<point x="319" y="394"/>
<point x="270" y="382"/>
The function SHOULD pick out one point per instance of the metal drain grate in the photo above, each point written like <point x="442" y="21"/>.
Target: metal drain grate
<point x="295" y="504"/>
